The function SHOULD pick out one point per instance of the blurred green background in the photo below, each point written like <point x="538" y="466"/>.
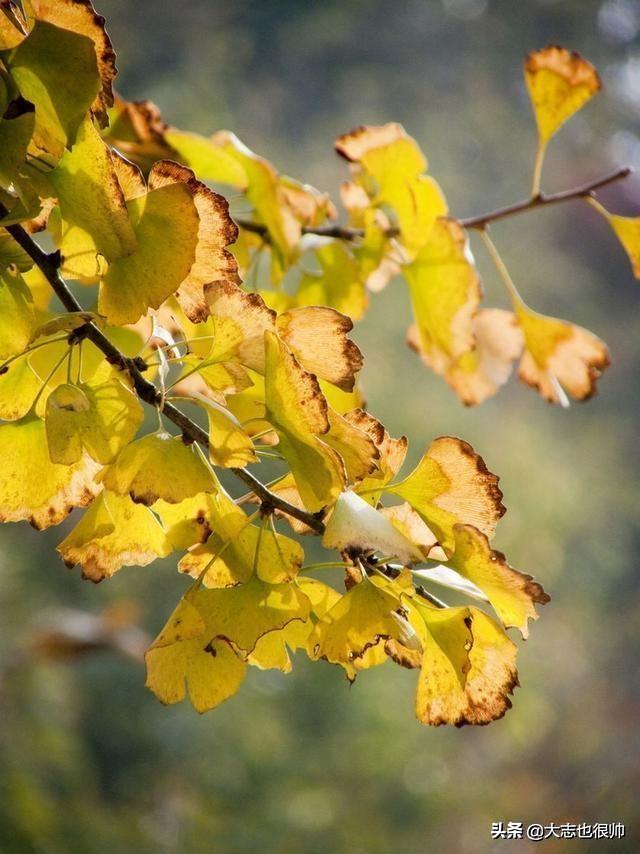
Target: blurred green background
<point x="89" y="761"/>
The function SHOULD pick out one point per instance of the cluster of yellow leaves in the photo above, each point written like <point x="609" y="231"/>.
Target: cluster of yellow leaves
<point x="269" y="367"/>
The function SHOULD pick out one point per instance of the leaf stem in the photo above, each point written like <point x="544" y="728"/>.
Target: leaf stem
<point x="537" y="170"/>
<point x="501" y="267"/>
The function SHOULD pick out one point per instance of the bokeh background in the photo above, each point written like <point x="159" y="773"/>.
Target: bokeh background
<point x="89" y="761"/>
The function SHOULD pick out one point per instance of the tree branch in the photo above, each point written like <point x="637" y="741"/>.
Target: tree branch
<point x="146" y="391"/>
<point x="342" y="232"/>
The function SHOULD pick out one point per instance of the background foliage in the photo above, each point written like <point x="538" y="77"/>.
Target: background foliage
<point x="89" y="760"/>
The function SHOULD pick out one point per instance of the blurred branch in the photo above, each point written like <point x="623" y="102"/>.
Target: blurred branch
<point x="49" y="265"/>
<point x="342" y="232"/>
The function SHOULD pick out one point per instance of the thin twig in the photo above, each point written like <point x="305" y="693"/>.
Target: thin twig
<point x="342" y="232"/>
<point x="146" y="391"/>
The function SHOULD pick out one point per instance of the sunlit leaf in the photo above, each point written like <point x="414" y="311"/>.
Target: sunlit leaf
<point x="451" y="484"/>
<point x="31" y="486"/>
<point x="158" y="466"/>
<point x="114" y="532"/>
<point x="560" y="357"/>
<point x="298" y="411"/>
<point x="17" y="316"/>
<point x="513" y="594"/>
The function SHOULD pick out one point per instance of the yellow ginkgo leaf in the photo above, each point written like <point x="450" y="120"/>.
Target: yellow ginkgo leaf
<point x="13" y="25"/>
<point x="560" y="82"/>
<point x="208" y="159"/>
<point x="138" y="131"/>
<point x="445" y="292"/>
<point x="82" y="19"/>
<point x="182" y="229"/>
<point x="512" y="594"/>
<point x="467" y="669"/>
<point x="242" y="615"/>
<point x="236" y="550"/>
<point x="355" y="526"/>
<point x="114" y="532"/>
<point x="229" y="445"/>
<point x="187" y="523"/>
<point x="272" y="649"/>
<point x="31" y="486"/>
<point x="215" y="232"/>
<point x="411" y="525"/>
<point x="158" y="466"/>
<point x="389" y="165"/>
<point x="183" y="657"/>
<point x="239" y="321"/>
<point x="357" y="622"/>
<point x="100" y="417"/>
<point x="391" y="454"/>
<point x="560" y="358"/>
<point x="317" y="336"/>
<point x="298" y="411"/>
<point x="19" y="387"/>
<point x="56" y="70"/>
<point x="93" y="228"/>
<point x="17" y="315"/>
<point x="355" y="446"/>
<point x="451" y="485"/>
<point x="627" y="230"/>
<point x="478" y="374"/>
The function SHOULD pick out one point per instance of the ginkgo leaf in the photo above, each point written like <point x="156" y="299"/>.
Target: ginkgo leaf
<point x="355" y="526"/>
<point x="114" y="532"/>
<point x="355" y="447"/>
<point x="298" y="411"/>
<point x="81" y="18"/>
<point x="138" y="131"/>
<point x="560" y="82"/>
<point x="16" y="129"/>
<point x="468" y="666"/>
<point x="411" y="525"/>
<point x="560" y="357"/>
<point x="479" y="373"/>
<point x="236" y="550"/>
<point x="216" y="231"/>
<point x="239" y="321"/>
<point x="359" y="621"/>
<point x="242" y="615"/>
<point x="391" y="454"/>
<point x="56" y="70"/>
<point x="208" y="160"/>
<point x="158" y="466"/>
<point x="338" y="284"/>
<point x="184" y="657"/>
<point x="13" y="25"/>
<point x="100" y="417"/>
<point x="67" y="322"/>
<point x="317" y="336"/>
<point x="17" y="316"/>
<point x="627" y="230"/>
<point x="188" y="522"/>
<point x="451" y="484"/>
<point x="512" y="594"/>
<point x="31" y="486"/>
<point x="94" y="225"/>
<point x="264" y="193"/>
<point x="229" y="445"/>
<point x="389" y="164"/>
<point x="271" y="650"/>
<point x="19" y="386"/>
<point x="445" y="292"/>
<point x="182" y="229"/>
